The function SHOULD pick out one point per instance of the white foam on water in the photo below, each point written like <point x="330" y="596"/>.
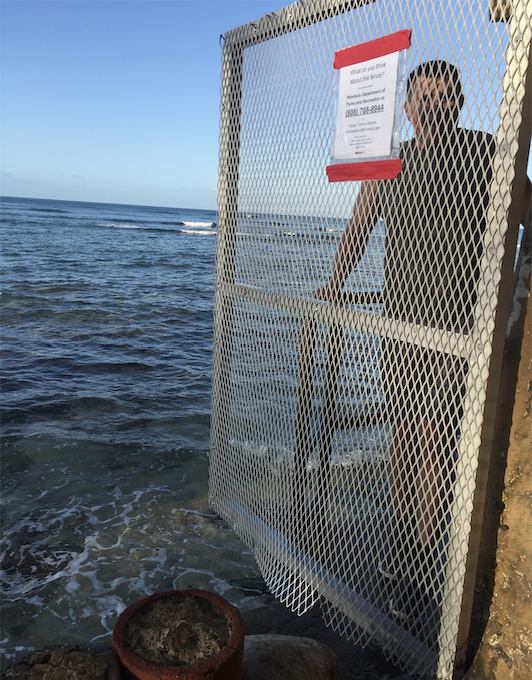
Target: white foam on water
<point x="76" y="568"/>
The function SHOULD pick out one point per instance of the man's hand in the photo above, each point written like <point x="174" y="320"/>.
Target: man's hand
<point x="329" y="293"/>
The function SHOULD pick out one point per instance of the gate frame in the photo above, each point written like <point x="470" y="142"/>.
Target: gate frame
<point x="493" y="415"/>
<point x="515" y="102"/>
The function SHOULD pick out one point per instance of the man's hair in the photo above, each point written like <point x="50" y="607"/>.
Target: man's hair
<point x="439" y="69"/>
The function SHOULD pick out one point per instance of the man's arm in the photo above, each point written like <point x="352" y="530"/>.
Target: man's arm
<point x="353" y="240"/>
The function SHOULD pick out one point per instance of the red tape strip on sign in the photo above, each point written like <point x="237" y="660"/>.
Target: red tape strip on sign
<point x="373" y="49"/>
<point x="351" y="172"/>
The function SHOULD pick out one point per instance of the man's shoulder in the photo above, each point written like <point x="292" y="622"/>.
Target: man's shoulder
<point x="408" y="146"/>
<point x="461" y="137"/>
<point x="408" y="149"/>
<point x="476" y="148"/>
<point x="474" y="138"/>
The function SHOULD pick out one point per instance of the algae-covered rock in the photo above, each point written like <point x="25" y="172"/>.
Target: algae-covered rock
<point x="58" y="664"/>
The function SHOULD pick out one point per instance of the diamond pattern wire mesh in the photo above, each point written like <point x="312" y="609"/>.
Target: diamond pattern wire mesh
<point x="346" y="429"/>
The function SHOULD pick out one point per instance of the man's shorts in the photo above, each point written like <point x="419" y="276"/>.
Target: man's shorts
<point x="421" y="382"/>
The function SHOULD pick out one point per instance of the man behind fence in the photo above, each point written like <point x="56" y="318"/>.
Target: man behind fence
<point x="434" y="217"/>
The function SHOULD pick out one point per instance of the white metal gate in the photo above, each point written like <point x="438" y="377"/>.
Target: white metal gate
<point x="351" y="424"/>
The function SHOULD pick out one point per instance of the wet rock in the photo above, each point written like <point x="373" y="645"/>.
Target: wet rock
<point x="251" y="586"/>
<point x="58" y="664"/>
<point x="285" y="657"/>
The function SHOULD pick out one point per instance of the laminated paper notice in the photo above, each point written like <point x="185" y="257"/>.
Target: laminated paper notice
<point x="367" y="121"/>
<point x="366" y="108"/>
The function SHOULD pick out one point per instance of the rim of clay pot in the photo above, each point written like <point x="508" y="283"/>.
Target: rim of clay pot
<point x="135" y="663"/>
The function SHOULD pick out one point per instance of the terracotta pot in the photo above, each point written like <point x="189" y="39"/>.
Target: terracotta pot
<point x="225" y="665"/>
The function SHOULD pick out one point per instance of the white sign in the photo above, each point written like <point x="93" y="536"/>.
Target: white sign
<point x="366" y="109"/>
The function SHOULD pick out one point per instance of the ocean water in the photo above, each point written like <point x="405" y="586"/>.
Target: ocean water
<point x="106" y="342"/>
<point x="106" y="378"/>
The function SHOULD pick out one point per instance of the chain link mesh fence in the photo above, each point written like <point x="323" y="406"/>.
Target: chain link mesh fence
<point x="351" y="374"/>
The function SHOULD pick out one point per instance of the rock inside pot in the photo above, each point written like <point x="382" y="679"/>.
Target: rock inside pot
<point x="178" y="631"/>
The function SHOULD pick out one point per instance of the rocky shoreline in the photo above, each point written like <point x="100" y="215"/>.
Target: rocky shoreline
<point x="352" y="661"/>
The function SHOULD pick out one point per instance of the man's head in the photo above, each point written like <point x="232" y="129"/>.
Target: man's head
<point x="434" y="97"/>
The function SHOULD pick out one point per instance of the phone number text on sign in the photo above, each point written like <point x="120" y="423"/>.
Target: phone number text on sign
<point x="364" y="110"/>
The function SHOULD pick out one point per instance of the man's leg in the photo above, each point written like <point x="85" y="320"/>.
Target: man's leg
<point x="420" y="487"/>
<point x="401" y="541"/>
<point x="401" y="455"/>
<point x="431" y="484"/>
<point x="419" y="483"/>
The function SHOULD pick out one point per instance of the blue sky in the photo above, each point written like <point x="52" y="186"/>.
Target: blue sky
<point x="114" y="100"/>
